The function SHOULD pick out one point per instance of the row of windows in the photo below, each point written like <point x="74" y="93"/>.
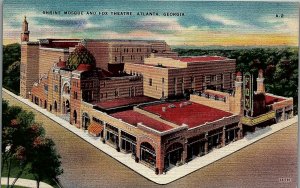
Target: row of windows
<point x="112" y="128"/>
<point x="97" y="120"/>
<point x="131" y="92"/>
<point x="75" y="84"/>
<point x="192" y="79"/>
<point x="127" y="50"/>
<point x="132" y="57"/>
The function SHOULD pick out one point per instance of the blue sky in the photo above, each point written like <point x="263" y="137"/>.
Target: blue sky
<point x="203" y="23"/>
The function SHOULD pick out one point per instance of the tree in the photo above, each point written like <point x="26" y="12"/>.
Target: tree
<point x="45" y="161"/>
<point x="11" y="67"/>
<point x="20" y="144"/>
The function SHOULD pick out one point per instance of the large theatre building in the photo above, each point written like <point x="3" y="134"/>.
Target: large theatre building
<point x="143" y="99"/>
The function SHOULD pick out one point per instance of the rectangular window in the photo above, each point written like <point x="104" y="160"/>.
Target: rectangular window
<point x="150" y="81"/>
<point x="116" y="92"/>
<point x="163" y="80"/>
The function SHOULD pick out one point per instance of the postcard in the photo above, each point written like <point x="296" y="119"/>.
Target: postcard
<point x="150" y="93"/>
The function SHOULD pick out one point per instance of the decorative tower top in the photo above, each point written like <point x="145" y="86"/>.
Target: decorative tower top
<point x="25" y="32"/>
<point x="260" y="73"/>
<point x="260" y="82"/>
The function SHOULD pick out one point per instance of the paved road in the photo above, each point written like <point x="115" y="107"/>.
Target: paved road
<point x="259" y="165"/>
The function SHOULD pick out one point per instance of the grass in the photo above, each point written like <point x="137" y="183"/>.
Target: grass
<point x="15" y="186"/>
<point x="26" y="174"/>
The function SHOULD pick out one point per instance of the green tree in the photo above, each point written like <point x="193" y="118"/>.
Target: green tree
<point x="20" y="136"/>
<point x="11" y="67"/>
<point x="45" y="162"/>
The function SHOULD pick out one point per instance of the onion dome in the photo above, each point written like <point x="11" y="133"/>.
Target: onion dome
<point x="81" y="58"/>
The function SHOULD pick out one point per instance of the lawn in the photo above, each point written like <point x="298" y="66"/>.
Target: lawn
<point x="26" y="174"/>
<point x="16" y="186"/>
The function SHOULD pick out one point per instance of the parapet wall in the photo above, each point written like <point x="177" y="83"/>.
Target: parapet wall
<point x="221" y="105"/>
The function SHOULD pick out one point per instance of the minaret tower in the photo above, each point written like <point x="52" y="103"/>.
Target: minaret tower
<point x="238" y="94"/>
<point x="25" y="32"/>
<point x="260" y="82"/>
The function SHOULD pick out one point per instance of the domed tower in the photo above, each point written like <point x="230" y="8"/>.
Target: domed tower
<point x="84" y="82"/>
<point x="81" y="59"/>
<point x="25" y="32"/>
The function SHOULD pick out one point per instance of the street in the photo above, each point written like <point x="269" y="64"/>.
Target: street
<point x="270" y="162"/>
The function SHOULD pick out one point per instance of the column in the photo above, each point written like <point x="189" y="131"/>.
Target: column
<point x="138" y="151"/>
<point x="223" y="136"/>
<point x="283" y="114"/>
<point x="184" y="153"/>
<point x="120" y="141"/>
<point x="104" y="132"/>
<point x="160" y="164"/>
<point x="240" y="131"/>
<point x="206" y="144"/>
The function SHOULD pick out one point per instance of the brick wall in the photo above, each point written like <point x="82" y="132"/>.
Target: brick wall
<point x="48" y="56"/>
<point x="120" y="87"/>
<point x="29" y="68"/>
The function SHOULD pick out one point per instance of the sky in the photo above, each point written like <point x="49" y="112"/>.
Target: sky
<point x="203" y="23"/>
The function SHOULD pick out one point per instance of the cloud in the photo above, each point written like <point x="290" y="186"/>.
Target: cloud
<point x="223" y="20"/>
<point x="281" y="25"/>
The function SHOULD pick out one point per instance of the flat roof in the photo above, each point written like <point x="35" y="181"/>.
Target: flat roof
<point x="132" y="117"/>
<point x="272" y="99"/>
<point x="201" y="59"/>
<point x="191" y="114"/>
<point x="125" y="101"/>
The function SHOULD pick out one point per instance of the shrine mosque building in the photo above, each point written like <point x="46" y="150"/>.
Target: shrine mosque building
<point x="142" y="98"/>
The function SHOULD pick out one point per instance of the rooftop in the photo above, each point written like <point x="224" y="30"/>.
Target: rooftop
<point x="201" y="58"/>
<point x="191" y="114"/>
<point x="133" y="118"/>
<point x="272" y="99"/>
<point x="125" y="101"/>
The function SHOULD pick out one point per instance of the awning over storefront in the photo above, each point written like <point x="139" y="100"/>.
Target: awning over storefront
<point x="95" y="129"/>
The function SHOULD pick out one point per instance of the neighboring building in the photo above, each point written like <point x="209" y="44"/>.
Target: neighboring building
<point x="168" y="77"/>
<point x="141" y="98"/>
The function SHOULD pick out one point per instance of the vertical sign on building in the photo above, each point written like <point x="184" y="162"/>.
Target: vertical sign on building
<point x="248" y="93"/>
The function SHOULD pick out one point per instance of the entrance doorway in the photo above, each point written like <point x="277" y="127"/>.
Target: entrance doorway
<point x="173" y="155"/>
<point x="85" y="121"/>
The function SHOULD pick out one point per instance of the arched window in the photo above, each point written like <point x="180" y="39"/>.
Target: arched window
<point x="55" y="106"/>
<point x="148" y="154"/>
<point x="75" y="116"/>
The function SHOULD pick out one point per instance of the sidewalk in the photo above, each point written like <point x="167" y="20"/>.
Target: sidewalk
<point x="24" y="183"/>
<point x="174" y="173"/>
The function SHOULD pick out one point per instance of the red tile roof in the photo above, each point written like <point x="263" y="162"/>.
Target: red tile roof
<point x="272" y="99"/>
<point x="201" y="58"/>
<point x="133" y="117"/>
<point x="124" y="101"/>
<point x="192" y="114"/>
